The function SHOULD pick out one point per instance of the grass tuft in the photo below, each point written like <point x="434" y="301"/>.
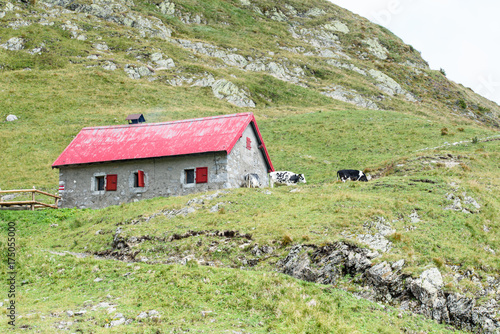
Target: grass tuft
<point x="286" y="240"/>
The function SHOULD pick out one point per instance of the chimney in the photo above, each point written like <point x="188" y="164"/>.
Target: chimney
<point x="135" y="119"/>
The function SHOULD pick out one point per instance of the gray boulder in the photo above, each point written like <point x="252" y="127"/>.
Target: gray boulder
<point x="14" y="44"/>
<point x="376" y="48"/>
<point x="109" y="65"/>
<point x="224" y="89"/>
<point x="11" y="118"/>
<point x="427" y="289"/>
<point x="167" y="8"/>
<point x="387" y="283"/>
<point x="460" y="310"/>
<point x="350" y="96"/>
<point x="137" y="72"/>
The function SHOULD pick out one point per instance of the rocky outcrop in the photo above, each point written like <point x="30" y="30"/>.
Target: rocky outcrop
<point x="120" y="13"/>
<point x="349" y="96"/>
<point x="75" y="31"/>
<point x="14" y="44"/>
<point x="222" y="89"/>
<point x="226" y="90"/>
<point x="463" y="203"/>
<point x="228" y="57"/>
<point x="278" y="69"/>
<point x="389" y="86"/>
<point x="109" y="65"/>
<point x="386" y="282"/>
<point x="376" y="49"/>
<point x="346" y="66"/>
<point x="137" y="72"/>
<point x="167" y="8"/>
<point x="323" y="38"/>
<point x="161" y="61"/>
<point x="383" y="82"/>
<point x="376" y="233"/>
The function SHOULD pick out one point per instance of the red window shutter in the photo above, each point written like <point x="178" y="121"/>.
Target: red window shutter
<point x="140" y="178"/>
<point x="201" y="175"/>
<point x="249" y="143"/>
<point x="111" y="182"/>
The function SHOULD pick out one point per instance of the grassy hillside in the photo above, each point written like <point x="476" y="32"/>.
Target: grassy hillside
<point x="321" y="212"/>
<point x="58" y="82"/>
<point x="425" y="156"/>
<point x="187" y="298"/>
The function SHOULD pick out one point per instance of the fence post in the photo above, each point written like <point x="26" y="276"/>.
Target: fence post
<point x="33" y="199"/>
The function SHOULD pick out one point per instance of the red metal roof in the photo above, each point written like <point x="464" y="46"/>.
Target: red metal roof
<point x="154" y="140"/>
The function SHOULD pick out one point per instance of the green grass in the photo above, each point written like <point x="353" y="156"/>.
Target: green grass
<point x="318" y="213"/>
<point x="191" y="297"/>
<point x="323" y="142"/>
<point x="61" y="91"/>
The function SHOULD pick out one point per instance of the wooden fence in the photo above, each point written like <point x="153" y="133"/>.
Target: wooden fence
<point x="28" y="204"/>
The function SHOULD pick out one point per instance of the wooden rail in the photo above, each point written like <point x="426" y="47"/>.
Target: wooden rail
<point x="33" y="204"/>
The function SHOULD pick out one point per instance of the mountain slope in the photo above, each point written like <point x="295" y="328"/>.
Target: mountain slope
<point x="312" y="44"/>
<point x="69" y="64"/>
<point x="330" y="90"/>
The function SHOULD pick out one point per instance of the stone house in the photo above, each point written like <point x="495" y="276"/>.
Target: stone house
<point x="110" y="165"/>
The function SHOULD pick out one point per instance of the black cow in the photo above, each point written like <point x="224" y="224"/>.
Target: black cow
<point x="351" y="174"/>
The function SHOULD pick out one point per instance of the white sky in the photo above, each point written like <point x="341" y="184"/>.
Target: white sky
<point x="460" y="36"/>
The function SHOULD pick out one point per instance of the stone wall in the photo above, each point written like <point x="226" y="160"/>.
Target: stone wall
<point x="162" y="177"/>
<point x="243" y="161"/>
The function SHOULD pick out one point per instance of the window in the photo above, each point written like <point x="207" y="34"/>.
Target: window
<point x="111" y="182"/>
<point x="139" y="179"/>
<point x="196" y="175"/>
<point x="249" y="143"/>
<point x="189" y="177"/>
<point x="99" y="183"/>
<point x="201" y="175"/>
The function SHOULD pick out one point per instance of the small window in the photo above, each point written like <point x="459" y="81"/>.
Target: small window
<point x="139" y="179"/>
<point x="189" y="176"/>
<point x="201" y="175"/>
<point x="99" y="183"/>
<point x="249" y="143"/>
<point x="111" y="182"/>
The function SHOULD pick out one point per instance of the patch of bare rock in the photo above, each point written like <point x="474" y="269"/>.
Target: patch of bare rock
<point x="388" y="283"/>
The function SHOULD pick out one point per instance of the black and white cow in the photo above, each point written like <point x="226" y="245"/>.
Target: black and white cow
<point x="351" y="174"/>
<point x="251" y="180"/>
<point x="288" y="178"/>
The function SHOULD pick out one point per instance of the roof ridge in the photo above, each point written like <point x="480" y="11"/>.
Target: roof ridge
<point x="166" y="123"/>
<point x="156" y="140"/>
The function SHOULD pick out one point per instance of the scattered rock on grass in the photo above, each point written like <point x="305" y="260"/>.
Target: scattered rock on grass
<point x="14" y="44"/>
<point x="109" y="66"/>
<point x="376" y="236"/>
<point x="142" y="315"/>
<point x="226" y="90"/>
<point x="11" y="118"/>
<point x="136" y="72"/>
<point x="465" y="204"/>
